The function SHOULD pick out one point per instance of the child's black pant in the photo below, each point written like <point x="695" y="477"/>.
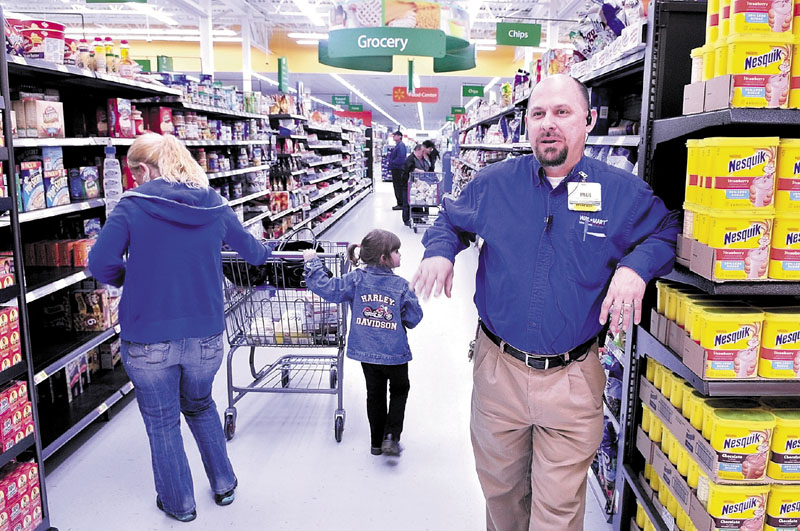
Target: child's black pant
<point x="381" y="420"/>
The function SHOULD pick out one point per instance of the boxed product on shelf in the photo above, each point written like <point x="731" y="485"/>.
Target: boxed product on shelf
<point x="52" y="158"/>
<point x="9" y="319"/>
<point x="160" y="120"/>
<point x="72" y="379"/>
<point x="45" y="119"/>
<point x="120" y="124"/>
<point x="84" y="183"/>
<point x="110" y="354"/>
<point x="91" y="310"/>
<point x="6" y="269"/>
<point x="31" y="186"/>
<point x="56" y="188"/>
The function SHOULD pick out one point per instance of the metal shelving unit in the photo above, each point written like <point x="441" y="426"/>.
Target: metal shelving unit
<point x="622" y="140"/>
<point x="681" y="126"/>
<point x="54" y="211"/>
<point x="734" y="287"/>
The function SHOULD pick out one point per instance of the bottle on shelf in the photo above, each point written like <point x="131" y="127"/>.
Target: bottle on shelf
<point x="109" y="49"/>
<point x="125" y="62"/>
<point x="99" y="56"/>
<point x="84" y="55"/>
<point x="112" y="179"/>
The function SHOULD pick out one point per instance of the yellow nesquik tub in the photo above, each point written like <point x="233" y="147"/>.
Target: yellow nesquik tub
<point x="794" y="88"/>
<point x="724" y="18"/>
<point x="720" y="57"/>
<point x="737" y="507"/>
<point x="742" y="440"/>
<point x="784" y="463"/>
<point x="780" y="344"/>
<point x="697" y="64"/>
<point x="744" y="172"/>
<point x="784" y="257"/>
<point x="741" y="240"/>
<point x="712" y="21"/>
<point x="692" y="174"/>
<point x="731" y="339"/>
<point x="761" y="16"/>
<point x="709" y="61"/>
<point x="787" y="194"/>
<point x="783" y="508"/>
<point x="761" y="69"/>
<point x="713" y="404"/>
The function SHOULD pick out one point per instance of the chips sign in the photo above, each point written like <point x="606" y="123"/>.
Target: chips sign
<point x="518" y="34"/>
<point x="355" y="108"/>
<point x="340" y="100"/>
<point x="421" y="95"/>
<point x="451" y="118"/>
<point x="458" y="110"/>
<point x="472" y="90"/>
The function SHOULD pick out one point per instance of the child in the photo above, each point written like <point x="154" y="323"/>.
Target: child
<point x="383" y="307"/>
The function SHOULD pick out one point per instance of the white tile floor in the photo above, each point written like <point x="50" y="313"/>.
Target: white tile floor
<point x="292" y="473"/>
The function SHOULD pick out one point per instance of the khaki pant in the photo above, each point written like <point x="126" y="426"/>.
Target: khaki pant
<point x="534" y="435"/>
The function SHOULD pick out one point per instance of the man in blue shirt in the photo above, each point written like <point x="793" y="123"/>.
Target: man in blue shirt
<point x="397" y="159"/>
<point x="566" y="240"/>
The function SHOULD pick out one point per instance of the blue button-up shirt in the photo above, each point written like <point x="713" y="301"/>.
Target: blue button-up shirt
<point x="544" y="269"/>
<point x="397" y="156"/>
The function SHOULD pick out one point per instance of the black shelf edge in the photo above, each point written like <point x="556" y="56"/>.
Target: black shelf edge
<point x="12" y="373"/>
<point x="43" y="281"/>
<point x="4" y="154"/>
<point x="17" y="449"/>
<point x="639" y="491"/>
<point x="495" y="117"/>
<point x="5" y="202"/>
<point x="647" y="345"/>
<point x="671" y="128"/>
<point x="733" y="287"/>
<point x="66" y="351"/>
<point x="628" y="65"/>
<point x="599" y="494"/>
<point x="71" y="419"/>
<point x="287" y="117"/>
<point x="11" y="292"/>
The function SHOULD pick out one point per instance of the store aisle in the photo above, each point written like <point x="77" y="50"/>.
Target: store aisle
<point x="292" y="473"/>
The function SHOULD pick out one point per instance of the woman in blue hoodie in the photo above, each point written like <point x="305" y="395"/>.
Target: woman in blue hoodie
<point x="383" y="308"/>
<point x="172" y="227"/>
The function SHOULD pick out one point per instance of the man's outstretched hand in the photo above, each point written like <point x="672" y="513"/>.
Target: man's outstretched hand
<point x="433" y="274"/>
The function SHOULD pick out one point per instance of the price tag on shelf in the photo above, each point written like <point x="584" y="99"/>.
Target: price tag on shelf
<point x="668" y="518"/>
<point x="39" y="377"/>
<point x="102" y="408"/>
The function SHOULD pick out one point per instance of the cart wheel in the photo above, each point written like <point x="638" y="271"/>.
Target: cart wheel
<point x="334" y="376"/>
<point x="230" y="423"/>
<point x="415" y="229"/>
<point x="284" y="377"/>
<point x="338" y="428"/>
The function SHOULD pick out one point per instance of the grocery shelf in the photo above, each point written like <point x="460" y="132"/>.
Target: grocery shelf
<point x="672" y="128"/>
<point x="319" y="229"/>
<point x="733" y="287"/>
<point x="74" y="75"/>
<point x="647" y="345"/>
<point x="56" y="350"/>
<point x="352" y="129"/>
<point x="320" y="163"/>
<point x="613" y="140"/>
<point x="327" y="191"/>
<point x="519" y="146"/>
<point x="55" y="211"/>
<point x="17" y="449"/>
<point x="299" y="172"/>
<point x="245" y="199"/>
<point x="43" y="281"/>
<point x="254" y="219"/>
<point x="203" y="143"/>
<point x="241" y="171"/>
<point x="323" y="146"/>
<point x="611" y="416"/>
<point x="61" y="422"/>
<point x="468" y="164"/>
<point x="215" y="110"/>
<point x="640" y="491"/>
<point x="622" y="67"/>
<point x="282" y="213"/>
<point x="287" y="155"/>
<point x="325" y="178"/>
<point x="617" y="353"/>
<point x="599" y="493"/>
<point x="5" y="204"/>
<point x="3" y="153"/>
<point x="13" y="372"/>
<point x="287" y="117"/>
<point x="331" y="129"/>
<point x="294" y="137"/>
<point x="6" y="294"/>
<point x="496" y="116"/>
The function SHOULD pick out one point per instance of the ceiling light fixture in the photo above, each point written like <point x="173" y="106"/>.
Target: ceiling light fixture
<point x="308" y="11"/>
<point x="150" y="11"/>
<point x="307" y="43"/>
<point x="316" y="36"/>
<point x="421" y="118"/>
<point x="341" y="80"/>
<point x="118" y="32"/>
<point x="270" y="81"/>
<point x="323" y="102"/>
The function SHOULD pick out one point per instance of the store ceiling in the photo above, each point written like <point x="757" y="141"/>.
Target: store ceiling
<point x="267" y="17"/>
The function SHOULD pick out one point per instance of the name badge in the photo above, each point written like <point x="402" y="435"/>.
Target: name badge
<point x="584" y="197"/>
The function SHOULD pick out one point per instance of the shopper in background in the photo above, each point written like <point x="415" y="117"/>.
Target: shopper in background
<point x="397" y="159"/>
<point x="415" y="162"/>
<point x="383" y="308"/>
<point x="566" y="239"/>
<point x="431" y="153"/>
<point x="172" y="227"/>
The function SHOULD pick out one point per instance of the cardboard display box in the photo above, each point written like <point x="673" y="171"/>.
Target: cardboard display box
<point x="684" y="250"/>
<point x="694" y="98"/>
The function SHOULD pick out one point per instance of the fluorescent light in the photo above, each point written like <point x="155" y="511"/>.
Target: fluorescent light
<point x="484" y="41"/>
<point x="323" y="102"/>
<point x="150" y="11"/>
<point x="470" y="102"/>
<point x="421" y="118"/>
<point x="310" y="43"/>
<point x="317" y="36"/>
<point x="308" y="11"/>
<point x="265" y="78"/>
<point x="492" y="83"/>
<point x="341" y="80"/>
<point x="484" y="48"/>
<point x="153" y="32"/>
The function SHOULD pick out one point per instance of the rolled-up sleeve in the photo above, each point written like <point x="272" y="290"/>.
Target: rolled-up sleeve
<point x="457" y="222"/>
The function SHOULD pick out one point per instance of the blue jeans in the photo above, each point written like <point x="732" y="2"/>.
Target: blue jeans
<point x="171" y="378"/>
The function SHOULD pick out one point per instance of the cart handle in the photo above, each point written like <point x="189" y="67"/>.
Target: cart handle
<point x="283" y="254"/>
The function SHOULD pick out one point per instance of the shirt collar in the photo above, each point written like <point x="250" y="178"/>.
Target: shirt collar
<point x="380" y="270"/>
<point x="540" y="178"/>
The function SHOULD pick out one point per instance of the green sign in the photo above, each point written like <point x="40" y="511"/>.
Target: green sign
<point x="411" y="75"/>
<point x="340" y="100"/>
<point x="513" y="34"/>
<point x="451" y="118"/>
<point x="375" y="42"/>
<point x="145" y="64"/>
<point x="472" y="90"/>
<point x="458" y="110"/>
<point x="283" y="74"/>
<point x="164" y="63"/>
<point x="355" y="108"/>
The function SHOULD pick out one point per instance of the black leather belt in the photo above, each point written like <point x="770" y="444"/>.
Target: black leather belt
<point x="536" y="361"/>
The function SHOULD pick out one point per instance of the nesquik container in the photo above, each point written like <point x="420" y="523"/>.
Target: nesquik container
<point x="761" y="16"/>
<point x="743" y="170"/>
<point x="742" y="440"/>
<point x="787" y="193"/>
<point x="737" y="507"/>
<point x="794" y="88"/>
<point x="783" y="508"/>
<point x="712" y="21"/>
<point x="732" y="340"/>
<point x="761" y="69"/>
<point x="784" y="263"/>
<point x="784" y="463"/>
<point x="741" y="242"/>
<point x="780" y="344"/>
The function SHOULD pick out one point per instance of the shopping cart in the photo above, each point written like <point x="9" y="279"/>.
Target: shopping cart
<point x="268" y="307"/>
<point x="424" y="194"/>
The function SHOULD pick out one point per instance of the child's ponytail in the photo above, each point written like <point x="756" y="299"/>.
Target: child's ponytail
<point x="351" y="254"/>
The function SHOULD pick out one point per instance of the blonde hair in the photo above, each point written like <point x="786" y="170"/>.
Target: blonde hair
<point x="174" y="162"/>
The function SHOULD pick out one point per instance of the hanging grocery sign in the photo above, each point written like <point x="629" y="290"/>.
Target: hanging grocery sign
<point x="458" y="110"/>
<point x="364" y="116"/>
<point x="366" y="34"/>
<point x="472" y="90"/>
<point x="513" y="34"/>
<point x="355" y="108"/>
<point x="340" y="100"/>
<point x="283" y="74"/>
<point x="420" y="95"/>
<point x="451" y="118"/>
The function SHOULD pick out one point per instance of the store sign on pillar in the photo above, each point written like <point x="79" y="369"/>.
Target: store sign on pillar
<point x="366" y="34"/>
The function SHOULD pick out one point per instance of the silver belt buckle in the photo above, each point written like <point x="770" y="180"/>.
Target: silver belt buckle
<point x="528" y="357"/>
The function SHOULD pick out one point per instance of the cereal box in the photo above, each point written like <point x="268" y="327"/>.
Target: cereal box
<point x="84" y="183"/>
<point x="56" y="188"/>
<point x="161" y="120"/>
<point x="110" y="354"/>
<point x="31" y="186"/>
<point x="52" y="158"/>
<point x="45" y="117"/>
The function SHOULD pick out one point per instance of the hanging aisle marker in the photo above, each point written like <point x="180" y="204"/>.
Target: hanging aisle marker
<point x="518" y="34"/>
<point x="458" y="110"/>
<point x="472" y="90"/>
<point x="340" y="100"/>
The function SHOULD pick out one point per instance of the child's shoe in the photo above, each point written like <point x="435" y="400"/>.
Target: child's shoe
<point x="375" y="450"/>
<point x="390" y="446"/>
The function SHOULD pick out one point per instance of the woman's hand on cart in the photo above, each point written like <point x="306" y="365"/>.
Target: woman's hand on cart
<point x="309" y="254"/>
